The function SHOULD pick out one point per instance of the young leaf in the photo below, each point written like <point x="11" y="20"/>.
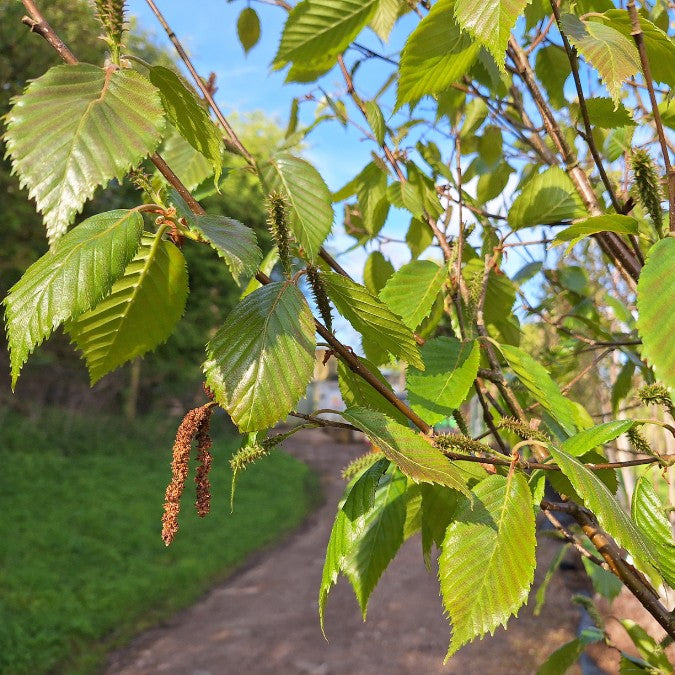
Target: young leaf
<point x="612" y="54"/>
<point x="191" y="167"/>
<point x="549" y="197"/>
<point x="563" y="658"/>
<point x="648" y="514"/>
<point x="386" y="14"/>
<point x="372" y="318"/>
<point x="586" y="440"/>
<point x="375" y="120"/>
<point x="487" y="560"/>
<point x="436" y="54"/>
<point x="140" y="313"/>
<point x="438" y="510"/>
<point x="650" y="650"/>
<point x="490" y="23"/>
<point x="603" y="113"/>
<point x="552" y="68"/>
<point x="188" y="116"/>
<point x="376" y="272"/>
<point x="410" y="451"/>
<point x="88" y="125"/>
<point x="68" y="281"/>
<point x="540" y="595"/>
<point x="542" y="387"/>
<point x="317" y="31"/>
<point x="235" y="243"/>
<point x="349" y="524"/>
<point x="450" y="369"/>
<point x="376" y="545"/>
<point x="309" y="199"/>
<point x="609" y="223"/>
<point x="412" y="290"/>
<point x="357" y="392"/>
<point x="598" y="498"/>
<point x="248" y="28"/>
<point x="655" y="301"/>
<point x="260" y="362"/>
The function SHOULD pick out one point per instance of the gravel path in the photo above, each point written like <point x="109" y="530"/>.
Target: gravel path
<point x="264" y="618"/>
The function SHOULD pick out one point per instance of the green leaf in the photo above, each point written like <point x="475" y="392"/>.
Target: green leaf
<point x="260" y="362"/>
<point x="649" y="515"/>
<point x="187" y="114"/>
<point x="386" y="15"/>
<point x="439" y="504"/>
<point x="248" y="28"/>
<point x="604" y="582"/>
<point x="490" y="23"/>
<point x="410" y="451"/>
<point x="88" y="125"/>
<point x="655" y="301"/>
<point x="659" y="45"/>
<point x="382" y="536"/>
<point x="375" y="119"/>
<point x="436" y="54"/>
<point x="492" y="184"/>
<point x="542" y="387"/>
<point x="411" y="291"/>
<point x="562" y="659"/>
<point x="500" y="294"/>
<point x="609" y="223"/>
<point x="493" y="539"/>
<point x="309" y="199"/>
<point x="647" y="646"/>
<point x="587" y="440"/>
<point x="451" y="368"/>
<point x="549" y="197"/>
<point x="69" y="280"/>
<point x="612" y="54"/>
<point x="552" y="68"/>
<point x="349" y="524"/>
<point x="622" y="385"/>
<point x="603" y="113"/>
<point x="140" y="313"/>
<point x="357" y="392"/>
<point x="191" y="167"/>
<point x="371" y="190"/>
<point x="376" y="272"/>
<point x="235" y="243"/>
<point x="418" y="237"/>
<point x="490" y="145"/>
<point x="318" y="31"/>
<point x="618" y="142"/>
<point x="599" y="499"/>
<point x="372" y="318"/>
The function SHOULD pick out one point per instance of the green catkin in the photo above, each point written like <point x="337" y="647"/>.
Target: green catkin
<point x="461" y="443"/>
<point x="648" y="187"/>
<point x="320" y="295"/>
<point x="241" y="460"/>
<point x="523" y="430"/>
<point x="360" y="463"/>
<point x="278" y="227"/>
<point x="657" y="394"/>
<point x="638" y="441"/>
<point x="459" y="420"/>
<point x="111" y="14"/>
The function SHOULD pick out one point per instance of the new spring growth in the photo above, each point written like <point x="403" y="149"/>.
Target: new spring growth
<point x="523" y="430"/>
<point x="360" y="463"/>
<point x="648" y="186"/>
<point x="638" y="441"/>
<point x="320" y="295"/>
<point x="658" y="395"/>
<point x="460" y="421"/>
<point x="195" y="424"/>
<point x="461" y="443"/>
<point x="111" y="14"/>
<point x="278" y="227"/>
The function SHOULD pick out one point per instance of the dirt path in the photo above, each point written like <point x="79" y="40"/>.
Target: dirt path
<point x="264" y="619"/>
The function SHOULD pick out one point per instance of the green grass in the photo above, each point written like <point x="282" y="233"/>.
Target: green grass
<point x="82" y="564"/>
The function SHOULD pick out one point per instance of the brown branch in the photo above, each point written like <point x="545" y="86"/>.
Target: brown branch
<point x="612" y="245"/>
<point x="38" y="24"/>
<point x="609" y="550"/>
<point x="638" y="37"/>
<point x="206" y="91"/>
<point x="572" y="539"/>
<point x="590" y="141"/>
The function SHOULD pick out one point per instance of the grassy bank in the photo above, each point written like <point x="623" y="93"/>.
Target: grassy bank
<point x="82" y="564"/>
